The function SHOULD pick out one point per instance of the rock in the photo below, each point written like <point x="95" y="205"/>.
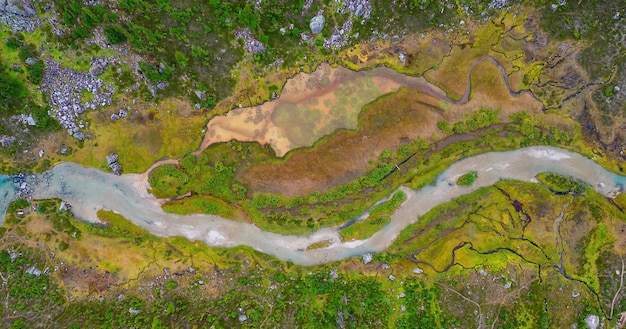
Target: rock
<point x="64" y="150"/>
<point x="114" y="165"/>
<point x="133" y="311"/>
<point x="401" y="295"/>
<point x="418" y="270"/>
<point x="116" y="168"/>
<point x="251" y="44"/>
<point x="112" y="158"/>
<point x="30" y="120"/>
<point x="391" y="277"/>
<point x="317" y="24"/>
<point x="6" y="141"/>
<point x="161" y="85"/>
<point x="19" y="15"/>
<point x="41" y="153"/>
<point x="402" y="58"/>
<point x="13" y="256"/>
<point x="162" y="68"/>
<point x="200" y="94"/>
<point x="359" y="10"/>
<point x="98" y="65"/>
<point x="64" y="87"/>
<point x="575" y="294"/>
<point x="508" y="285"/>
<point x="114" y="117"/>
<point x="33" y="271"/>
<point x="242" y="317"/>
<point x="31" y="61"/>
<point x="386" y="266"/>
<point x="483" y="272"/>
<point x="65" y="206"/>
<point x="592" y="321"/>
<point x="367" y="258"/>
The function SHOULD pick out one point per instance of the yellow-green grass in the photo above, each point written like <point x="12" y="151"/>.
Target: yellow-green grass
<point x="489" y="221"/>
<point x="122" y="248"/>
<point x="364" y="229"/>
<point x="458" y="63"/>
<point x="621" y="200"/>
<point x="378" y="218"/>
<point x="140" y="144"/>
<point x="561" y="184"/>
<point x="319" y="245"/>
<point x="205" y="204"/>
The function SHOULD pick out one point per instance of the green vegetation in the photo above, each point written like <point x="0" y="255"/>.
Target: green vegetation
<point x="116" y="226"/>
<point x="481" y="231"/>
<point x="378" y="218"/>
<point x="115" y="34"/>
<point x="216" y="171"/>
<point x="467" y="179"/>
<point x="13" y="92"/>
<point x="562" y="184"/>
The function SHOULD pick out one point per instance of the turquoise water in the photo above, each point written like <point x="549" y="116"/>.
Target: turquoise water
<point x="89" y="190"/>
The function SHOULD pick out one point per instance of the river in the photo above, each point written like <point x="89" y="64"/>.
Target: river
<point x="89" y="189"/>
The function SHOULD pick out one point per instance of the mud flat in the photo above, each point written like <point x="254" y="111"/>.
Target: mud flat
<point x="311" y="106"/>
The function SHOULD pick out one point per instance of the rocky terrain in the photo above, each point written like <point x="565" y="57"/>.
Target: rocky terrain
<point x="19" y="15"/>
<point x="65" y="88"/>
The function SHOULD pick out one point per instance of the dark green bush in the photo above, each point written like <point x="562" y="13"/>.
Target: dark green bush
<point x="115" y="34"/>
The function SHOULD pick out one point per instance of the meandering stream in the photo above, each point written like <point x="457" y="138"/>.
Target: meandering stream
<point x="89" y="190"/>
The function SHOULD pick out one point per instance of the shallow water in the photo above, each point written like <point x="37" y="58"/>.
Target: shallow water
<point x="89" y="190"/>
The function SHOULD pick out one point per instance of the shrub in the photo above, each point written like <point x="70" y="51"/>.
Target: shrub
<point x="467" y="179"/>
<point x="115" y="34"/>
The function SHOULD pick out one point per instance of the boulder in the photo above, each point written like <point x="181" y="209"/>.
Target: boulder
<point x="317" y="24"/>
<point x="111" y="159"/>
<point x="592" y="321"/>
<point x="31" y="61"/>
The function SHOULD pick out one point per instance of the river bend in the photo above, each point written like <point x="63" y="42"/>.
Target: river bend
<point x="89" y="190"/>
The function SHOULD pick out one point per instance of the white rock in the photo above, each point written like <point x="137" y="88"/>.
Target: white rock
<point x="592" y="321"/>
